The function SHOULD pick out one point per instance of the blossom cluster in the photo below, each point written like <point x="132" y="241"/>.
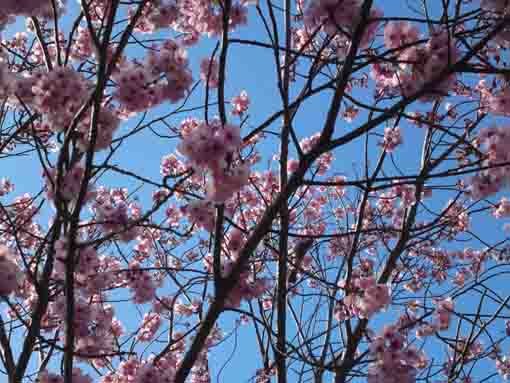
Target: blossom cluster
<point x="192" y="18"/>
<point x="494" y="141"/>
<point x="371" y="297"/>
<point x="211" y="148"/>
<point x="10" y="273"/>
<point x="30" y="8"/>
<point x="145" y="371"/>
<point x="240" y="104"/>
<point x="164" y="76"/>
<point x="70" y="184"/>
<point x="395" y="361"/>
<point x="115" y="214"/>
<point x="248" y="288"/>
<point x="141" y="283"/>
<point x="417" y="64"/>
<point x="392" y="138"/>
<point x="340" y="17"/>
<point x="58" y="94"/>
<point x="442" y="318"/>
<point x="50" y="377"/>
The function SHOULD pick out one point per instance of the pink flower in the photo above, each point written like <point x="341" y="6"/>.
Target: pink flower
<point x="240" y="104"/>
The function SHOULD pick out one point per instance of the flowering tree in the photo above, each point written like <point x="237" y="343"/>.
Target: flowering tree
<point x="346" y="226"/>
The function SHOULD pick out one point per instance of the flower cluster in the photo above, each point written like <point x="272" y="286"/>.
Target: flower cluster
<point x="395" y="361"/>
<point x="50" y="377"/>
<point x="370" y="297"/>
<point x="150" y="325"/>
<point x="107" y="123"/>
<point x="58" y="95"/>
<point x="112" y="212"/>
<point x="135" y="371"/>
<point x="164" y="76"/>
<point x="6" y="187"/>
<point x="240" y="104"/>
<point x="209" y="72"/>
<point x="200" y="213"/>
<point x="31" y="7"/>
<point x="499" y="103"/>
<point x="418" y="64"/>
<point x="444" y="309"/>
<point x="211" y="148"/>
<point x="94" y="325"/>
<point x="10" y="273"/>
<point x="502" y="209"/>
<point x="503" y="367"/>
<point x="392" y="138"/>
<point x="400" y="33"/>
<point x="141" y="283"/>
<point x="70" y="186"/>
<point x="248" y="288"/>
<point x="191" y="17"/>
<point x="494" y="141"/>
<point x="337" y="16"/>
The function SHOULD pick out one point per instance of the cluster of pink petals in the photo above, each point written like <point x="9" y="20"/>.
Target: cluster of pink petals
<point x="17" y="222"/>
<point x="141" y="283"/>
<point x="442" y="318"/>
<point x="211" y="148"/>
<point x="155" y="15"/>
<point x="371" y="297"/>
<point x="499" y="103"/>
<point x="444" y="309"/>
<point x="6" y="79"/>
<point x="240" y="104"/>
<point x="190" y="17"/>
<point x="340" y="17"/>
<point x="6" y="187"/>
<point x="419" y="64"/>
<point x="94" y="325"/>
<point x="10" y="273"/>
<point x="70" y="184"/>
<point x="171" y="166"/>
<point x="400" y="33"/>
<point x="207" y="146"/>
<point x="164" y="76"/>
<point x="50" y="377"/>
<point x="495" y="10"/>
<point x="395" y="361"/>
<point x="42" y="8"/>
<point x="392" y="138"/>
<point x="107" y="123"/>
<point x="503" y="367"/>
<point x="248" y="288"/>
<point x="200" y="213"/>
<point x="82" y="47"/>
<point x="92" y="272"/>
<point x="209" y="72"/>
<point x="495" y="141"/>
<point x="150" y="325"/>
<point x="498" y="6"/>
<point x="456" y="217"/>
<point x="502" y="209"/>
<point x="222" y="185"/>
<point x="322" y="164"/>
<point x="58" y="95"/>
<point x="427" y="63"/>
<point x="113" y="214"/>
<point x="147" y="371"/>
